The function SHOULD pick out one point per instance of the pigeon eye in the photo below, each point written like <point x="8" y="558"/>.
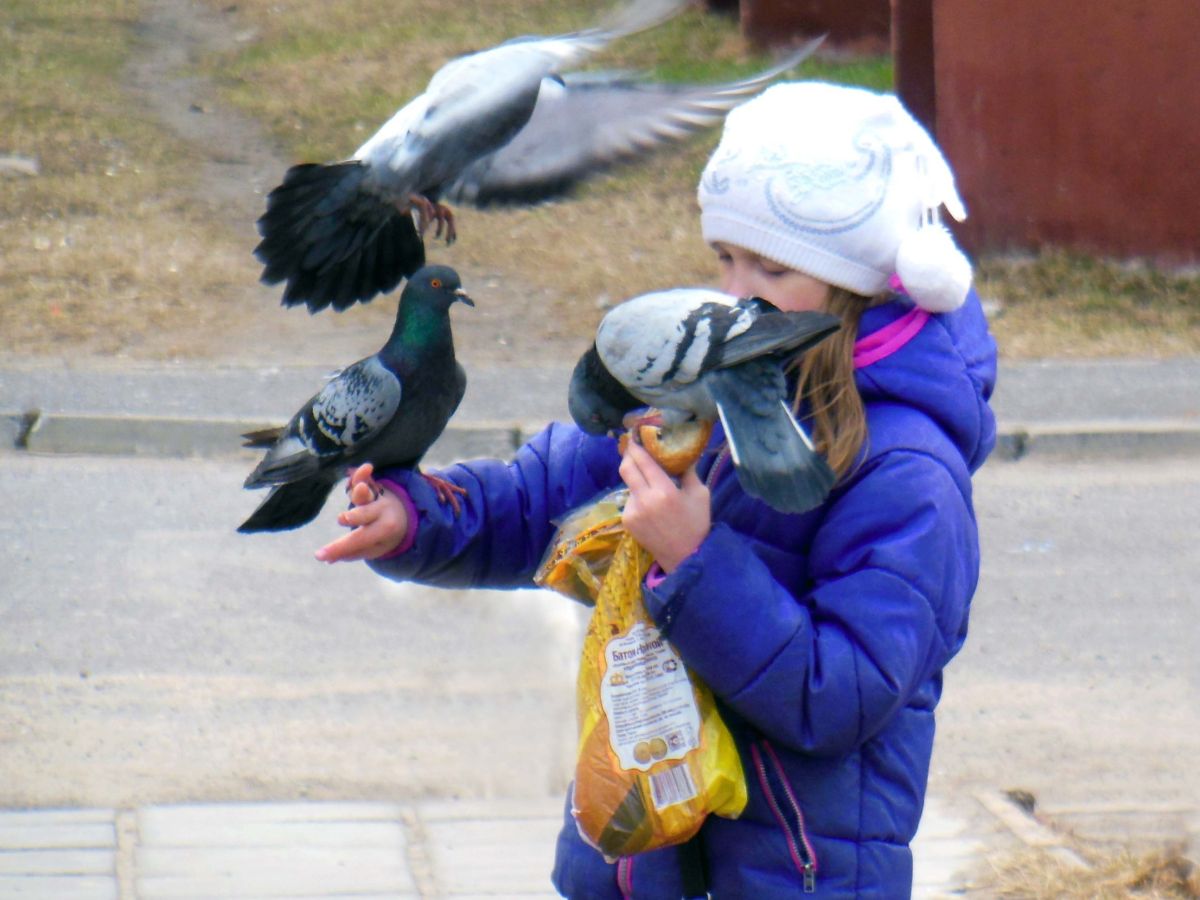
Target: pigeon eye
<point x="437" y="283"/>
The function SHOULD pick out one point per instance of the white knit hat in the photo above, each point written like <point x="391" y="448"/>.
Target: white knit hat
<point x="839" y="183"/>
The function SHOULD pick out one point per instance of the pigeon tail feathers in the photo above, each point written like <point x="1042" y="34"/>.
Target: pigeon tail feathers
<point x="263" y="438"/>
<point x="774" y="458"/>
<point x="333" y="240"/>
<point x="290" y="505"/>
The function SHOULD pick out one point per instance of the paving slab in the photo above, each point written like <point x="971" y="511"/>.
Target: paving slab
<point x="457" y="849"/>
<point x="49" y="887"/>
<point x="271" y="850"/>
<point x="64" y="854"/>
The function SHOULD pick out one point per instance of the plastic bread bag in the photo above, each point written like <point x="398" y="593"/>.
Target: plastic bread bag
<point x="654" y="758"/>
<point x="582" y="548"/>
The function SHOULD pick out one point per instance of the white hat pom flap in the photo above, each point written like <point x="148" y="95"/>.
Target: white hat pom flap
<point x="935" y="273"/>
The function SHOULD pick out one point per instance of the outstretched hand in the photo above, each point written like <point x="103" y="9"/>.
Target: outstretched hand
<point x="670" y="520"/>
<point x="377" y="517"/>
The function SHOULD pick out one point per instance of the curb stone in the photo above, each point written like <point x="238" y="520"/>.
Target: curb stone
<point x="1098" y="440"/>
<point x="142" y="435"/>
<point x="50" y="434"/>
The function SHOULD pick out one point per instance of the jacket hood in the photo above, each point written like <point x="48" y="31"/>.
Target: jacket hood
<point x="943" y="365"/>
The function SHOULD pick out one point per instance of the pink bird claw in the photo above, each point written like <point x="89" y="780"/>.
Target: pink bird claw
<point x="447" y="492"/>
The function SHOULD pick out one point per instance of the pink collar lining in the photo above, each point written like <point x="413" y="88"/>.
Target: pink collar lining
<point x="890" y="338"/>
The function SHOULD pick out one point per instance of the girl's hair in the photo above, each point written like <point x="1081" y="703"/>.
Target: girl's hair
<point x="826" y="384"/>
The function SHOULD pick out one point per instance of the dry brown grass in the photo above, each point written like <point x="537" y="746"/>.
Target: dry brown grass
<point x="1065" y="305"/>
<point x="107" y="251"/>
<point x="1163" y="874"/>
<point x="639" y="230"/>
<point x="101" y="251"/>
<point x="322" y="85"/>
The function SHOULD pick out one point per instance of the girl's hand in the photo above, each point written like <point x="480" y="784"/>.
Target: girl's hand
<point x="669" y="520"/>
<point x="379" y="520"/>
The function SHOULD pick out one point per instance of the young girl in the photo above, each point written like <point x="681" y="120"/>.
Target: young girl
<point x="823" y="635"/>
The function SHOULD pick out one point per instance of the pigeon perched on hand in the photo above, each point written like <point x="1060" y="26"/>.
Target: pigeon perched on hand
<point x="386" y="409"/>
<point x="695" y="353"/>
<point x="499" y="126"/>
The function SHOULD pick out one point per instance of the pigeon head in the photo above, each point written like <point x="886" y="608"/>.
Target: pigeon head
<point x="437" y="286"/>
<point x="597" y="401"/>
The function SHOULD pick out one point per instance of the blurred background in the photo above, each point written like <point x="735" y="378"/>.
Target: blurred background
<point x="149" y="655"/>
<point x="133" y="127"/>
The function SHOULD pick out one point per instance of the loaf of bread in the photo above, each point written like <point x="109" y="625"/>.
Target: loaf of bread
<point x="674" y="447"/>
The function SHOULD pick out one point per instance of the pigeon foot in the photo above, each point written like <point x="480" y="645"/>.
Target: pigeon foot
<point x="442" y="217"/>
<point x="446" y="491"/>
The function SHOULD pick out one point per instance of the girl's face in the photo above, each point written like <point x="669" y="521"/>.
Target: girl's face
<point x="746" y="274"/>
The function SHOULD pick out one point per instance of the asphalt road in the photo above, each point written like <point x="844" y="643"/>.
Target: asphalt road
<point x="148" y="653"/>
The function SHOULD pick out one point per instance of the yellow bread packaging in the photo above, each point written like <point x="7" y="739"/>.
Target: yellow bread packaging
<point x="654" y="758"/>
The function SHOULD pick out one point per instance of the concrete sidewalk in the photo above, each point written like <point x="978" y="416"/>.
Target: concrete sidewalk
<point x="452" y="849"/>
<point x="485" y="848"/>
<point x="1046" y="408"/>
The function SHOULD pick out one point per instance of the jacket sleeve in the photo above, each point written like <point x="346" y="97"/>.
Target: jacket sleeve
<point x="892" y="568"/>
<point x="509" y="512"/>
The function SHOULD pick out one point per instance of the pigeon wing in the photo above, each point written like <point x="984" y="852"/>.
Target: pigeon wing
<point x="663" y="339"/>
<point x="478" y="102"/>
<point x="584" y="123"/>
<point x="347" y="413"/>
<point x="773" y="456"/>
<point x="354" y="407"/>
<point x="771" y="332"/>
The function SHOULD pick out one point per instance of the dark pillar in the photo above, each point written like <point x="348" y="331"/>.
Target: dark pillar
<point x="912" y="56"/>
<point x="861" y="24"/>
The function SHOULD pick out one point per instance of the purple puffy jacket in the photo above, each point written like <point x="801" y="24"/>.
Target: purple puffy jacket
<point x="823" y="635"/>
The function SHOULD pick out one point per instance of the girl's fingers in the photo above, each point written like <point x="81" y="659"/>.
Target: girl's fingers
<point x="364" y="473"/>
<point x="645" y="469"/>
<point x="354" y="546"/>
<point x="358" y="516"/>
<point x="631" y="472"/>
<point x="363" y="493"/>
<point x="690" y="482"/>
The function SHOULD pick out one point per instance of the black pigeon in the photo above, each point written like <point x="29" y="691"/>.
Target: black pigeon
<point x="698" y="353"/>
<point x="503" y="125"/>
<point x="386" y="409"/>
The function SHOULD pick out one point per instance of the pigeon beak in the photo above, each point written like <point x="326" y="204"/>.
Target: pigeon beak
<point x="462" y="297"/>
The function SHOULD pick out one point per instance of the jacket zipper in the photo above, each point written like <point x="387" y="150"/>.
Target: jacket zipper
<point x="791" y="819"/>
<point x="715" y="469"/>
<point x="625" y="877"/>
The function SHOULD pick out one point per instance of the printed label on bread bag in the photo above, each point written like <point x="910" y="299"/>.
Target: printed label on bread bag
<point x="648" y="699"/>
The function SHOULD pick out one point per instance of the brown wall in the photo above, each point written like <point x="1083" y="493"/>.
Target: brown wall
<point x="1073" y="123"/>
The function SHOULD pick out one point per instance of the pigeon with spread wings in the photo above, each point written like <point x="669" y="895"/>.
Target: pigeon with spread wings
<point x="694" y="353"/>
<point x="386" y="409"/>
<point x="503" y="125"/>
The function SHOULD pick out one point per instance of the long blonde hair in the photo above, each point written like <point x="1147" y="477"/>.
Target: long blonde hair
<point x="826" y="384"/>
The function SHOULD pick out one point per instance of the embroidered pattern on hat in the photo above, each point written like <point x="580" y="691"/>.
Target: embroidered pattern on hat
<point x="813" y="197"/>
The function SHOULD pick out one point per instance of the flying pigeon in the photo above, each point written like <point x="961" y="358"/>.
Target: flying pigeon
<point x="386" y="409"/>
<point x="503" y="125"/>
<point x="698" y="353"/>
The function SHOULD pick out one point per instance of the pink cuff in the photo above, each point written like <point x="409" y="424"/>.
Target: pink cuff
<point x="655" y="576"/>
<point x="414" y="518"/>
